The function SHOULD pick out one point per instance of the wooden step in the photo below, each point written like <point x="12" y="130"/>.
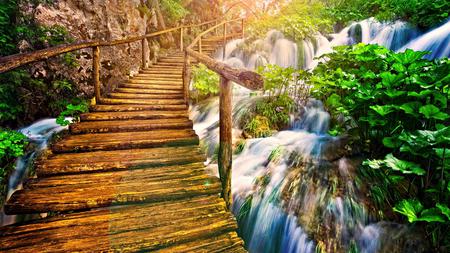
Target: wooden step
<point x="129" y="228"/>
<point x="72" y="163"/>
<point x="152" y="86"/>
<point x="145" y="96"/>
<point x="79" y="192"/>
<point x="125" y="140"/>
<point x="133" y="115"/>
<point x="223" y="243"/>
<point x="129" y="125"/>
<point x="148" y="91"/>
<point x="119" y="101"/>
<point x="160" y="75"/>
<point x="131" y="108"/>
<point x="172" y="82"/>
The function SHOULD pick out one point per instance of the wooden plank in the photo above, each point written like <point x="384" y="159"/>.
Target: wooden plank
<point x="130" y="115"/>
<point x="119" y="101"/>
<point x="129" y="125"/>
<point x="118" y="160"/>
<point x="130" y="108"/>
<point x="110" y="190"/>
<point x="125" y="140"/>
<point x="191" y="221"/>
<point x="145" y="96"/>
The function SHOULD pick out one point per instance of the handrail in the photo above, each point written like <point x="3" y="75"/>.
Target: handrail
<point x="11" y="62"/>
<point x="246" y="78"/>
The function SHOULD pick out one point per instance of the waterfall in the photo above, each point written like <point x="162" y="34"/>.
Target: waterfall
<point x="437" y="42"/>
<point x="296" y="191"/>
<point x="38" y="134"/>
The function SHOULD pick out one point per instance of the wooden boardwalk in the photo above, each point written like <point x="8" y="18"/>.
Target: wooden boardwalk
<point x="129" y="177"/>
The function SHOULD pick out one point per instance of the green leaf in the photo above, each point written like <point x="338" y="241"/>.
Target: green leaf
<point x="431" y="215"/>
<point x="409" y="208"/>
<point x="383" y="110"/>
<point x="444" y="210"/>
<point x="411" y="107"/>
<point x="433" y="112"/>
<point x="392" y="142"/>
<point x="374" y="164"/>
<point x="403" y="166"/>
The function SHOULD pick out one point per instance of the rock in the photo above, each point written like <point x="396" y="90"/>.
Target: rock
<point x="24" y="46"/>
<point x="91" y="20"/>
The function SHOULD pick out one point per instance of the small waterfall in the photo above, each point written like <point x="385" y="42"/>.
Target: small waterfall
<point x="284" y="54"/>
<point x="437" y="42"/>
<point x="38" y="134"/>
<point x="391" y="35"/>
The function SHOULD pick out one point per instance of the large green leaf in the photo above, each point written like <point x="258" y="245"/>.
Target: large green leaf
<point x="405" y="167"/>
<point x="431" y="215"/>
<point x="444" y="210"/>
<point x="433" y="112"/>
<point x="392" y="142"/>
<point x="410" y="208"/>
<point x="383" y="110"/>
<point x="411" y="107"/>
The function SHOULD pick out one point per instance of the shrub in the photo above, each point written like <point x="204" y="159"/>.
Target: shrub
<point x="205" y="82"/>
<point x="396" y="106"/>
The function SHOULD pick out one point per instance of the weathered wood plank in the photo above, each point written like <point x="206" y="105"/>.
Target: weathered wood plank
<point x="118" y="160"/>
<point x="125" y="140"/>
<point x="129" y="115"/>
<point x="129" y="125"/>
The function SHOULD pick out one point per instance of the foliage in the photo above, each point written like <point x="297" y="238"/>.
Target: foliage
<point x="12" y="145"/>
<point x="174" y="9"/>
<point x="72" y="111"/>
<point x="424" y="13"/>
<point x="205" y="81"/>
<point x="396" y="106"/>
<point x="25" y="96"/>
<point x="297" y="20"/>
<point x="258" y="127"/>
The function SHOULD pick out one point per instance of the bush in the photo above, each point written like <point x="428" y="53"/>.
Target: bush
<point x="258" y="127"/>
<point x="205" y="82"/>
<point x="74" y="111"/>
<point x="423" y="13"/>
<point x="396" y="106"/>
<point x="12" y="145"/>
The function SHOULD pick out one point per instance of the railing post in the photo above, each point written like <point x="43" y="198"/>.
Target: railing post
<point x="186" y="76"/>
<point x="96" y="73"/>
<point x="225" y="148"/>
<point x="242" y="28"/>
<point x="224" y="40"/>
<point x="182" y="39"/>
<point x="217" y="28"/>
<point x="200" y="45"/>
<point x="144" y="44"/>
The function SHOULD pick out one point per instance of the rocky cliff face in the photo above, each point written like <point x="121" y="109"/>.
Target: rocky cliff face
<point x="91" y="20"/>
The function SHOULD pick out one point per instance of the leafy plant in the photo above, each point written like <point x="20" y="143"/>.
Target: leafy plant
<point x="73" y="111"/>
<point x="395" y="105"/>
<point x="205" y="81"/>
<point x="258" y="127"/>
<point x="12" y="145"/>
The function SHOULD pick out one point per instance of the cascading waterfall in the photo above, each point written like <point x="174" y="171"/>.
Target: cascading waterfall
<point x="436" y="41"/>
<point x="296" y="190"/>
<point x="38" y="134"/>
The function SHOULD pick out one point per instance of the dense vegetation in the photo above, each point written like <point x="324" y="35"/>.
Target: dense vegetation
<point x="423" y="13"/>
<point x="395" y="106"/>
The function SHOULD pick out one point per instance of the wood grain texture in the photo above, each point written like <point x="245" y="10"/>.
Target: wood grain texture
<point x="129" y="177"/>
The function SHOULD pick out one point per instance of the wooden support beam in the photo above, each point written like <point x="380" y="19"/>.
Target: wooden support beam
<point x="144" y="44"/>
<point x="182" y="39"/>
<point x="225" y="149"/>
<point x="200" y="45"/>
<point x="96" y="73"/>
<point x="242" y="28"/>
<point x="224" y="40"/>
<point x="186" y="76"/>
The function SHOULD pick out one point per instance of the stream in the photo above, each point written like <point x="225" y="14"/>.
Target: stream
<point x="296" y="189"/>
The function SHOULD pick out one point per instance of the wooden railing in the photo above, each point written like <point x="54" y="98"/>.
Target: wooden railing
<point x="246" y="78"/>
<point x="14" y="61"/>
